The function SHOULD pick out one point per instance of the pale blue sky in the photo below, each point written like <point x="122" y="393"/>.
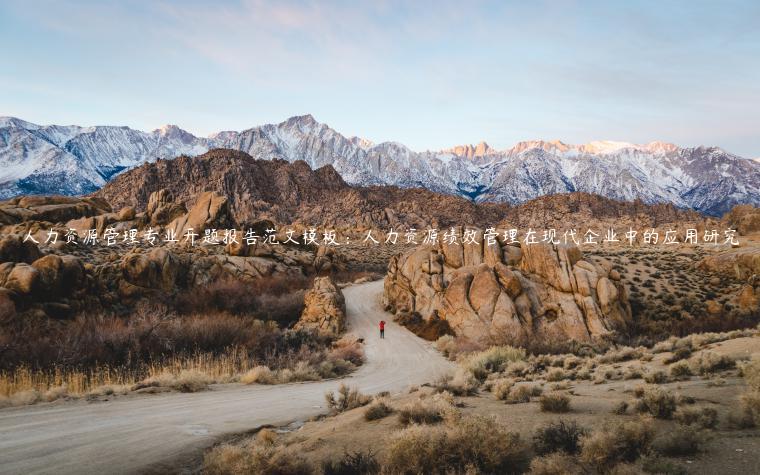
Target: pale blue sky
<point x="427" y="74"/>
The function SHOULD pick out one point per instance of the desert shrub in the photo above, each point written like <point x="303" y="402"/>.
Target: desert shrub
<point x="678" y="355"/>
<point x="470" y="445"/>
<point x="56" y="393"/>
<point x="501" y="388"/>
<point x="708" y="362"/>
<point x="682" y="399"/>
<point x="556" y="374"/>
<point x="25" y="398"/>
<point x="658" y="403"/>
<point x="187" y="381"/>
<point x="429" y="410"/>
<point x="554" y="402"/>
<point x="259" y="374"/>
<point x="616" y="442"/>
<point x="656" y="377"/>
<point x="378" y="409"/>
<point x="261" y="456"/>
<point x="750" y="371"/>
<point x="519" y="369"/>
<point x="277" y="298"/>
<point x="558" y="436"/>
<point x="620" y="408"/>
<point x="353" y="463"/>
<point x="634" y="372"/>
<point x="572" y="362"/>
<point x="462" y="384"/>
<point x="678" y="442"/>
<point x="557" y="463"/>
<point x="519" y="394"/>
<point x="680" y="369"/>
<point x="493" y="360"/>
<point x="750" y="402"/>
<point x="706" y="417"/>
<point x="346" y="399"/>
<point x="447" y="345"/>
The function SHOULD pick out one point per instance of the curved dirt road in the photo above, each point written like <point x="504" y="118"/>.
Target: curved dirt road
<point x="140" y="433"/>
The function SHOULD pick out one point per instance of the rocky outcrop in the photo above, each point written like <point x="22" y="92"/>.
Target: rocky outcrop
<point x="325" y="308"/>
<point x="162" y="208"/>
<point x="53" y="209"/>
<point x="744" y="218"/>
<point x="506" y="293"/>
<point x="740" y="263"/>
<point x="14" y="249"/>
<point x="210" y="211"/>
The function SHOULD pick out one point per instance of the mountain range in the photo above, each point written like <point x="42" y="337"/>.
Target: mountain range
<point x="73" y="160"/>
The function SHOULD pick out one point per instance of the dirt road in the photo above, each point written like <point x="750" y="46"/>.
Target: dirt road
<point x="135" y="434"/>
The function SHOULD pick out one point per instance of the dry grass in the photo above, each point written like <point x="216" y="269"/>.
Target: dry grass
<point x="378" y="409"/>
<point x="657" y="402"/>
<point x="182" y="373"/>
<point x="467" y="445"/>
<point x="502" y="387"/>
<point x="262" y="456"/>
<point x="557" y="463"/>
<point x="493" y="360"/>
<point x="678" y="442"/>
<point x="429" y="410"/>
<point x="705" y="418"/>
<point x="562" y="436"/>
<point x="554" y="402"/>
<point x="346" y="399"/>
<point x="614" y="443"/>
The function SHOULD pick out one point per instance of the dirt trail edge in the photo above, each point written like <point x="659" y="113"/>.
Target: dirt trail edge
<point x="130" y="435"/>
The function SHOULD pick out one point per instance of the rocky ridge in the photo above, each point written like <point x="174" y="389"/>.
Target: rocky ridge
<point x="76" y="160"/>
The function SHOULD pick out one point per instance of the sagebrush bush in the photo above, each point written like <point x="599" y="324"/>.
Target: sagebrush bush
<point x="557" y="463"/>
<point x="519" y="394"/>
<point x="708" y="362"/>
<point x="346" y="399"/>
<point x="658" y="403"/>
<point x="706" y="417"/>
<point x="352" y="463"/>
<point x="501" y="388"/>
<point x="554" y="402"/>
<point x="678" y="442"/>
<point x="377" y="409"/>
<point x="493" y="360"/>
<point x="656" y="377"/>
<point x="556" y="374"/>
<point x="680" y="369"/>
<point x="467" y="445"/>
<point x="620" y="408"/>
<point x="261" y="456"/>
<point x="429" y="410"/>
<point x="616" y="442"/>
<point x="559" y="436"/>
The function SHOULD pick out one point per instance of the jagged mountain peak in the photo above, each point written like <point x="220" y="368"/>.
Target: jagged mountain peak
<point x="471" y="151"/>
<point x="73" y="160"/>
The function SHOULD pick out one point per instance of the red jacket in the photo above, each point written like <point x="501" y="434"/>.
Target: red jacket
<point x="382" y="324"/>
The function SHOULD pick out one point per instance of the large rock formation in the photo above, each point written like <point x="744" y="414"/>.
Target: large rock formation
<point x="502" y="292"/>
<point x="325" y="308"/>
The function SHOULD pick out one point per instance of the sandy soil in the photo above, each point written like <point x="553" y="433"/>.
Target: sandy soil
<point x="727" y="450"/>
<point x="141" y="433"/>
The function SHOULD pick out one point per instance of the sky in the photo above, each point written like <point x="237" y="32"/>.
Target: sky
<point x="430" y="75"/>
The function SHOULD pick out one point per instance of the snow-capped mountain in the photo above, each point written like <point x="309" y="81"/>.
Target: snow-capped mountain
<point x="76" y="160"/>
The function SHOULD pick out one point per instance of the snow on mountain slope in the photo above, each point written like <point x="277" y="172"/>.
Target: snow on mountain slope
<point x="75" y="160"/>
